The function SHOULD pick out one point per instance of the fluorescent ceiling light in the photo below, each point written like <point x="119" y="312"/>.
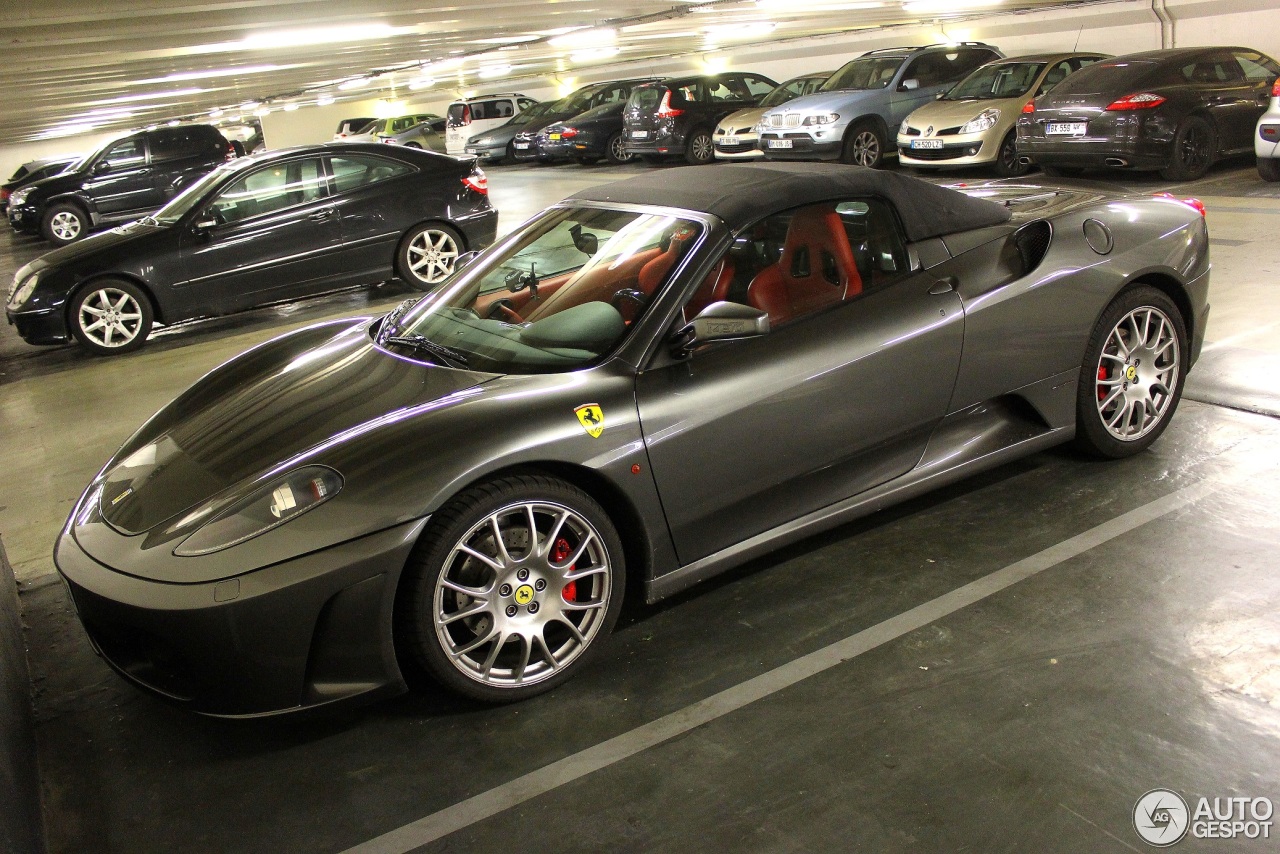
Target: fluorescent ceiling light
<point x="290" y="107"/>
<point x="946" y="7"/>
<point x="214" y="114"/>
<point x="321" y="35"/>
<point x="593" y="55"/>
<point x="419" y="83"/>
<point x="730" y="32"/>
<point x="173" y="123"/>
<point x="67" y="130"/>
<point x="507" y="40"/>
<point x="354" y="83"/>
<point x="817" y="5"/>
<point x="212" y="72"/>
<point x="596" y="37"/>
<point x="150" y="96"/>
<point x="325" y="100"/>
<point x="489" y="72"/>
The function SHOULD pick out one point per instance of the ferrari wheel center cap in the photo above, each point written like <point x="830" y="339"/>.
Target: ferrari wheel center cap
<point x="524" y="594"/>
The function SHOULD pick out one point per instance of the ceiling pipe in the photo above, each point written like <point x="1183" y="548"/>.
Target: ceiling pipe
<point x="1167" y="33"/>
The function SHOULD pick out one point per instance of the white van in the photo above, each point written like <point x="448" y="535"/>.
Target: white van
<point x="471" y="116"/>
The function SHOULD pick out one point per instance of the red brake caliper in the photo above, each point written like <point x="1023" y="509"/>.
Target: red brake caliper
<point x="559" y="552"/>
<point x="1102" y="375"/>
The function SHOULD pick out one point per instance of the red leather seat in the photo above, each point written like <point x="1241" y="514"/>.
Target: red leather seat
<point x="655" y="272"/>
<point x="714" y="288"/>
<point x="816" y="268"/>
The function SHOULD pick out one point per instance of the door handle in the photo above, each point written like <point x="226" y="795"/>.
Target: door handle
<point x="320" y="215"/>
<point x="945" y="285"/>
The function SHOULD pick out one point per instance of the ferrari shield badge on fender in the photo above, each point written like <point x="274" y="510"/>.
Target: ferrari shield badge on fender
<point x="592" y="419"/>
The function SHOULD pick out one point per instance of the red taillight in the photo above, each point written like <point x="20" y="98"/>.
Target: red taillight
<point x="568" y="133"/>
<point x="4" y="194"/>
<point x="665" y="110"/>
<point x="477" y="182"/>
<point x="466" y="114"/>
<point x="1275" y="90"/>
<point x="231" y="152"/>
<point x="1138" y="101"/>
<point x="1194" y="204"/>
<point x="1029" y="107"/>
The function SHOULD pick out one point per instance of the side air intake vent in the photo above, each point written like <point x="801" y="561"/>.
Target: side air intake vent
<point x="1033" y="241"/>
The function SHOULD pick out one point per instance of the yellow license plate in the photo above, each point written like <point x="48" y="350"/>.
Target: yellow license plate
<point x="553" y="136"/>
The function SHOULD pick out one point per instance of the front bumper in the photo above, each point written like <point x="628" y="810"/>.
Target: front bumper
<point x="737" y="146"/>
<point x="487" y="153"/>
<point x="803" y="146"/>
<point x="24" y="218"/>
<point x="44" y="326"/>
<point x="955" y="151"/>
<point x="307" y="632"/>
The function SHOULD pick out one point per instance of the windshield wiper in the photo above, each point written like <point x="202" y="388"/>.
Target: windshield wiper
<point x="454" y="358"/>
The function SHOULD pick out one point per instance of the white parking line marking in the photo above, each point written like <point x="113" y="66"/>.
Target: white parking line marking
<point x="578" y="765"/>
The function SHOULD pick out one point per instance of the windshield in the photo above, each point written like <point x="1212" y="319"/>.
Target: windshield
<point x="560" y="297"/>
<point x="1000" y="80"/>
<point x="193" y="193"/>
<point x="92" y="155"/>
<point x="869" y="73"/>
<point x="532" y="113"/>
<point x="791" y="89"/>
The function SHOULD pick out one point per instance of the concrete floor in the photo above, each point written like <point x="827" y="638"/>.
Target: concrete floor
<point x="1145" y="656"/>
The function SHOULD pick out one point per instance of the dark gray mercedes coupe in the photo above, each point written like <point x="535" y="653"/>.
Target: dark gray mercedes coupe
<point x="651" y="382"/>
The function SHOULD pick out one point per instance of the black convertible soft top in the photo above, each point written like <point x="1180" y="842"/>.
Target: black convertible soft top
<point x="741" y="193"/>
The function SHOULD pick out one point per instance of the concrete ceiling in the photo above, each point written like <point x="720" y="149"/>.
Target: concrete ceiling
<point x="75" y="66"/>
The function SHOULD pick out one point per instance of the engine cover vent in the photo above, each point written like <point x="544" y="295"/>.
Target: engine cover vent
<point x="1033" y="241"/>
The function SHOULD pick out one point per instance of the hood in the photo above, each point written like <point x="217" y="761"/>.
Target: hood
<point x="947" y="114"/>
<point x="102" y="241"/>
<point x="291" y="399"/>
<point x="741" y="119"/>
<point x="827" y="102"/>
<point x="59" y="183"/>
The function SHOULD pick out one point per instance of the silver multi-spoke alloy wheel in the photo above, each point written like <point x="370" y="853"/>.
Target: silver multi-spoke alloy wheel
<point x="65" y="226"/>
<point x="110" y="318"/>
<point x="618" y="149"/>
<point x="522" y="594"/>
<point x="432" y="253"/>
<point x="701" y="149"/>
<point x="864" y="148"/>
<point x="1138" y="373"/>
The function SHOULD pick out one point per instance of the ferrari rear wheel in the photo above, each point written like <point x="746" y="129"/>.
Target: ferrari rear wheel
<point x="512" y="588"/>
<point x="1133" y="373"/>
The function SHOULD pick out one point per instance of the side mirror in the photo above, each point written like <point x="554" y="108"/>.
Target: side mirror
<point x="721" y="321"/>
<point x="939" y="96"/>
<point x="101" y="167"/>
<point x="909" y="84"/>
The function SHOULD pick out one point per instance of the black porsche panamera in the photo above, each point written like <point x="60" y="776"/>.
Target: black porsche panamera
<point x="261" y="229"/>
<point x="468" y="484"/>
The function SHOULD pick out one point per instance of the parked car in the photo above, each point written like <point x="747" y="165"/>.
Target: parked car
<point x="1266" y="140"/>
<point x="427" y="133"/>
<point x="126" y="178"/>
<point x="527" y="147"/>
<point x="351" y="127"/>
<point x="32" y="171"/>
<point x="676" y="117"/>
<point x="975" y="122"/>
<point x="498" y="144"/>
<point x="273" y="226"/>
<point x="737" y="134"/>
<point x="851" y="115"/>
<point x="472" y="482"/>
<point x="374" y="131"/>
<point x="587" y="138"/>
<point x="470" y="117"/>
<point x="1176" y="111"/>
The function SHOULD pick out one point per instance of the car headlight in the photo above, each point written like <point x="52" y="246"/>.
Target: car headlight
<point x="20" y="197"/>
<point x="488" y="140"/>
<point x="821" y="119"/>
<point x="278" y="501"/>
<point x="902" y="128"/>
<point x="985" y="120"/>
<point x="20" y="291"/>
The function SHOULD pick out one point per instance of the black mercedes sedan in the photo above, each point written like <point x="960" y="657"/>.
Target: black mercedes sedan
<point x="1176" y="111"/>
<point x="277" y="226"/>
<point x="593" y="136"/>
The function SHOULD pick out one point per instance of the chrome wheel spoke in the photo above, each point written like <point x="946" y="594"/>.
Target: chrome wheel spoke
<point x="480" y="556"/>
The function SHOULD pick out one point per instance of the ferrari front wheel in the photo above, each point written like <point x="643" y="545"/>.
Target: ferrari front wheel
<point x="1133" y="373"/>
<point x="512" y="588"/>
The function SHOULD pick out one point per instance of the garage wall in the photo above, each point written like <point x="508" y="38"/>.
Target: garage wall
<point x="1124" y="26"/>
<point x="20" y="821"/>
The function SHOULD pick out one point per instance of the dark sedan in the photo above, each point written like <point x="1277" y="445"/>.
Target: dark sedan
<point x="595" y="135"/>
<point x="471" y="483"/>
<point x="261" y="229"/>
<point x="1176" y="111"/>
<point x="526" y="143"/>
<point x="29" y="173"/>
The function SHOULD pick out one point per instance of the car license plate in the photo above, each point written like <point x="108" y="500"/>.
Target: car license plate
<point x="522" y="145"/>
<point x="1066" y="128"/>
<point x="926" y="143"/>
<point x="553" y="136"/>
<point x="639" y="134"/>
<point x="780" y="143"/>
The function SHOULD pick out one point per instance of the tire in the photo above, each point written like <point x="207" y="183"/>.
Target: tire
<point x="699" y="149"/>
<point x="615" y="150"/>
<point x="110" y="316"/>
<point x="1007" y="158"/>
<point x="1269" y="168"/>
<point x="1127" y="394"/>
<point x="462" y="584"/>
<point x="64" y="223"/>
<point x="863" y="146"/>
<point x="1193" y="150"/>
<point x="510" y="156"/>
<point x="427" y="253"/>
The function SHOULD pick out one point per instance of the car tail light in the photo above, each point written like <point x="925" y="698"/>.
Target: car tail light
<point x="4" y="194"/>
<point x="477" y="182"/>
<point x="1194" y="204"/>
<point x="665" y="110"/>
<point x="466" y="114"/>
<point x="231" y="152"/>
<point x="1138" y="101"/>
<point x="1029" y="107"/>
<point x="1275" y="90"/>
<point x="568" y="133"/>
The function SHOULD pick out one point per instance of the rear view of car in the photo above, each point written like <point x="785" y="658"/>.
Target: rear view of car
<point x="1176" y="111"/>
<point x="351" y="127"/>
<point x="473" y="116"/>
<point x="677" y="117"/>
<point x="1266" y="139"/>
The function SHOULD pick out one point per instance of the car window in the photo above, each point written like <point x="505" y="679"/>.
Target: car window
<point x="1056" y="75"/>
<point x="270" y="189"/>
<point x="1213" y="70"/>
<point x="126" y="153"/>
<point x="1085" y="61"/>
<point x="526" y="103"/>
<point x="1256" y="66"/>
<point x="865" y="73"/>
<point x="787" y="91"/>
<point x="757" y="86"/>
<point x="611" y="95"/>
<point x="691" y="92"/>
<point x="1001" y="80"/>
<point x="721" y="89"/>
<point x="175" y="143"/>
<point x="360" y="170"/>
<point x="498" y="108"/>
<point x="402" y="124"/>
<point x="804" y="261"/>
